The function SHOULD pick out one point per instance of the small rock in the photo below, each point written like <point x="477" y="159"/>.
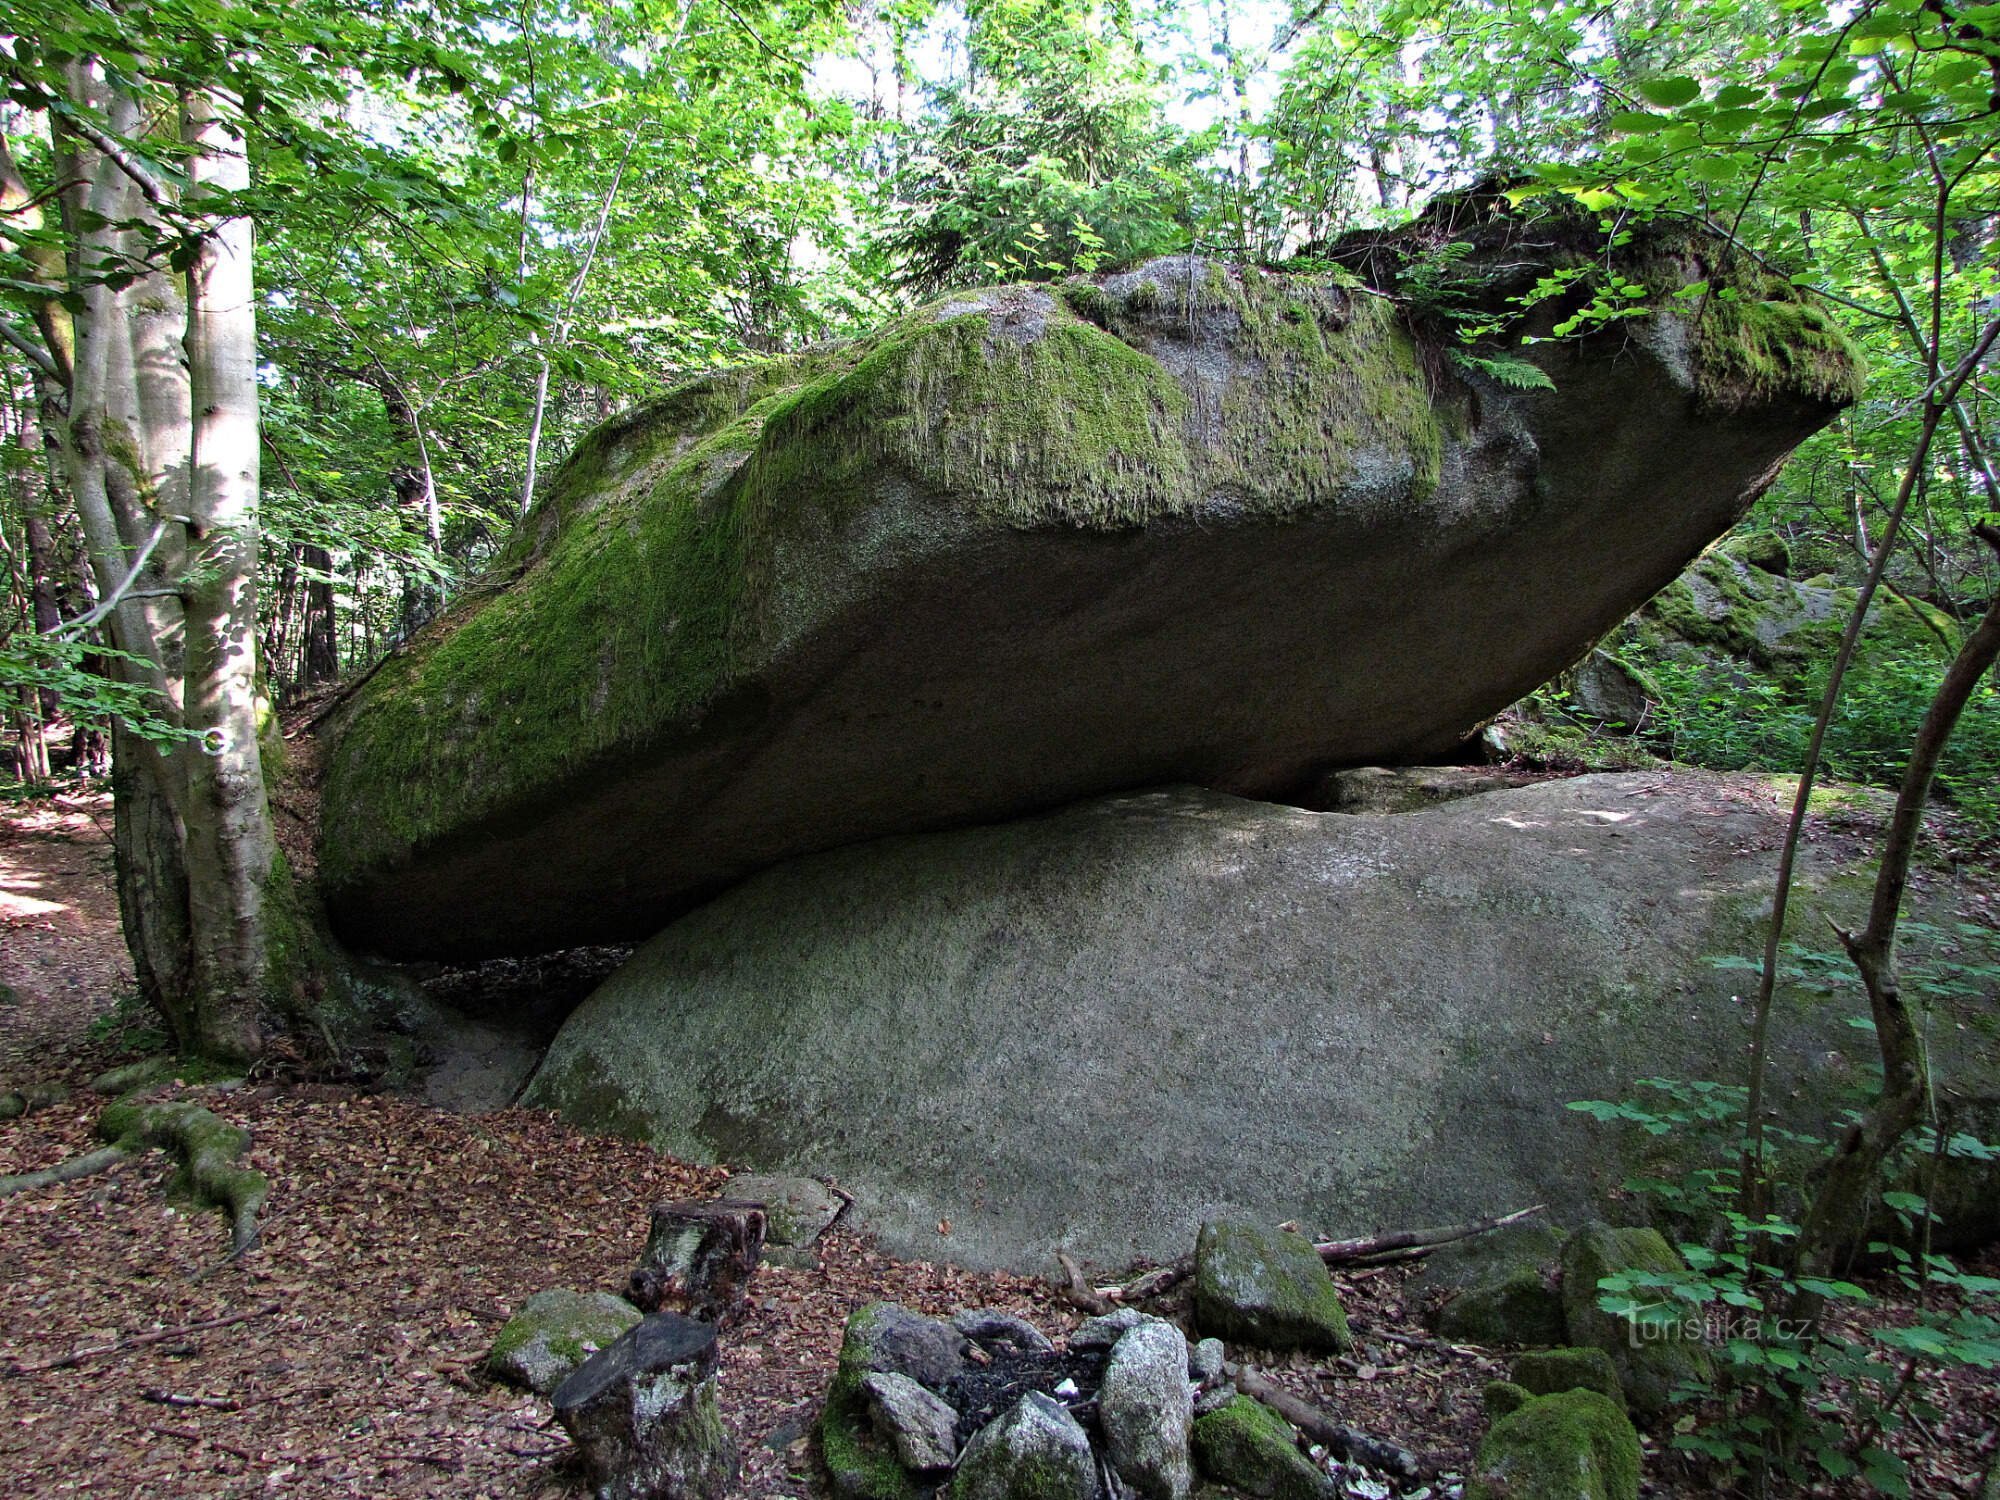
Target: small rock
<point x="1146" y="1410"/>
<point x="1653" y="1361"/>
<point x="988" y="1326"/>
<point x="1577" y="1445"/>
<point x="1265" y="1287"/>
<point x="643" y="1413"/>
<point x="797" y="1210"/>
<point x="921" y="1426"/>
<point x="1496" y="1289"/>
<point x="1205" y="1362"/>
<point x="1035" y="1449"/>
<point x="1104" y="1331"/>
<point x="1250" y="1449"/>
<point x="1549" y="1372"/>
<point x="555" y="1332"/>
<point x="881" y="1338"/>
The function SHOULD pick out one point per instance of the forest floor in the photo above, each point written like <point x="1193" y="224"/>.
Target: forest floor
<point x="342" y="1356"/>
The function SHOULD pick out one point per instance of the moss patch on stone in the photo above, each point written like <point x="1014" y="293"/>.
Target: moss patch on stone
<point x="553" y="1333"/>
<point x="1499" y="1288"/>
<point x="1251" y="1450"/>
<point x="1759" y="338"/>
<point x="861" y="1465"/>
<point x="1576" y="1445"/>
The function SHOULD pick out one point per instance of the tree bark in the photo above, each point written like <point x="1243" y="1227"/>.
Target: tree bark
<point x="231" y="852"/>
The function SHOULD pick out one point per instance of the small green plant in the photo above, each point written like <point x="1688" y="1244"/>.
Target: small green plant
<point x="130" y="1028"/>
<point x="1800" y="1398"/>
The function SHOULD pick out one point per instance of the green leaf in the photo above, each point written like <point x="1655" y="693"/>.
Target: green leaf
<point x="1670" y="93"/>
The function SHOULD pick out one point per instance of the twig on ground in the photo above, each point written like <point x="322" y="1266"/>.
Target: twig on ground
<point x="142" y="1340"/>
<point x="173" y="1398"/>
<point x="196" y="1435"/>
<point x="1407" y="1244"/>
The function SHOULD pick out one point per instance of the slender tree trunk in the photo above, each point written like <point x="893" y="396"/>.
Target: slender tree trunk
<point x="321" y="655"/>
<point x="232" y="854"/>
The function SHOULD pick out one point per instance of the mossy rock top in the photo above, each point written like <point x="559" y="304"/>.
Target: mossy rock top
<point x="1189" y="522"/>
<point x="1251" y="1450"/>
<point x="1574" y="1446"/>
<point x="553" y="1333"/>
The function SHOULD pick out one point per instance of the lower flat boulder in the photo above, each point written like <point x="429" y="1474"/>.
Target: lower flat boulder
<point x="1097" y="1029"/>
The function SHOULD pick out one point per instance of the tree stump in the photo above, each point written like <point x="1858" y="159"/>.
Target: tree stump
<point x="699" y="1258"/>
<point x="644" y="1416"/>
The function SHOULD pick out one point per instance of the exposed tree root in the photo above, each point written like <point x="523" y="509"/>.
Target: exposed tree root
<point x="207" y="1147"/>
<point x="89" y="1163"/>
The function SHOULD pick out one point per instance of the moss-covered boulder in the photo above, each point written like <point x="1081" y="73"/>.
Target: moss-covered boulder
<point x="553" y="1334"/>
<point x="1502" y="1398"/>
<point x="1654" y="1359"/>
<point x="1496" y="1289"/>
<point x="1188" y="522"/>
<point x="1573" y="1446"/>
<point x="1549" y="1372"/>
<point x="1251" y="1450"/>
<point x="1265" y="1287"/>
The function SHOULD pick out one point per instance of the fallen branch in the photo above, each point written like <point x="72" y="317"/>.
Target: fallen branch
<point x="196" y="1435"/>
<point x="1374" y="1249"/>
<point x="1341" y="1441"/>
<point x="1408" y="1244"/>
<point x="1081" y="1294"/>
<point x="143" y="1340"/>
<point x="87" y="1165"/>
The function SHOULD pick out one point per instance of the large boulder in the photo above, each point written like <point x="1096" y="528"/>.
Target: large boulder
<point x="1098" y="1029"/>
<point x="1190" y="522"/>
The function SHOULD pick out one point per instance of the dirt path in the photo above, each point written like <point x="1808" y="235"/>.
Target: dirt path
<point x="62" y="958"/>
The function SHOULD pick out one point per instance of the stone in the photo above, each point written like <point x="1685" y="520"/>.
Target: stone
<point x="553" y="1333"/>
<point x="1105" y="1329"/>
<point x="881" y="1338"/>
<point x="1251" y="1450"/>
<point x="1034" y="1451"/>
<point x="921" y="1426"/>
<point x="1573" y="1446"/>
<point x="797" y="1210"/>
<point x="1265" y="1287"/>
<point x="1549" y="1372"/>
<point x="989" y="1327"/>
<point x="1146" y="1409"/>
<point x="1654" y="1361"/>
<point x="1205" y="1362"/>
<point x="1358" y="1023"/>
<point x="781" y="608"/>
<point x="643" y="1414"/>
<point x="1495" y="1289"/>
<point x="1503" y="1398"/>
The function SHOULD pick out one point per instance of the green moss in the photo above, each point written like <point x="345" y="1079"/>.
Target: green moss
<point x="861" y="1466"/>
<point x="1502" y="1398"/>
<point x="1757" y="341"/>
<point x="208" y="1149"/>
<point x="1254" y="1451"/>
<point x="1576" y="1445"/>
